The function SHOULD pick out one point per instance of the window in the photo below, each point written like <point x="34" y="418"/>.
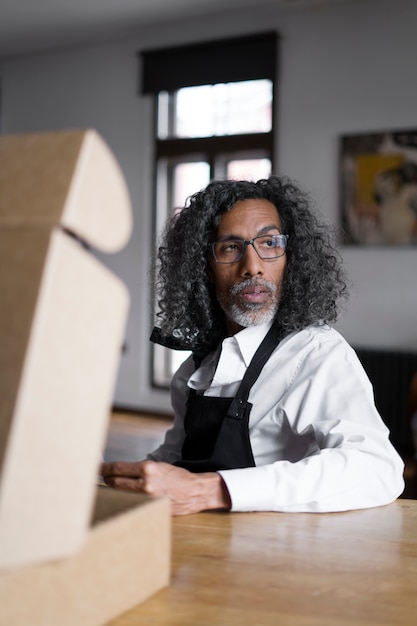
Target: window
<point x="214" y="118"/>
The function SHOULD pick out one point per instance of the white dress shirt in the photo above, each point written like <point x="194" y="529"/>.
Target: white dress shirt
<point x="318" y="441"/>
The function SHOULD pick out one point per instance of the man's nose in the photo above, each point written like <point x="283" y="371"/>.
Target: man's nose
<point x="251" y="263"/>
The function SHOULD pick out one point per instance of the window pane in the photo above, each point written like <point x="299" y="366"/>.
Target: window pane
<point x="188" y="179"/>
<point x="177" y="358"/>
<point x="176" y="182"/>
<point x="163" y="115"/>
<point x="214" y="110"/>
<point x="165" y="363"/>
<point x="198" y="115"/>
<point x="248" y="169"/>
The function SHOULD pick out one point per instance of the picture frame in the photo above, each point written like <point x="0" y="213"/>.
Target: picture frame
<point x="378" y="188"/>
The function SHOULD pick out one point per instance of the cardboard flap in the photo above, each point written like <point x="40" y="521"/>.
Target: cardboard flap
<point x="63" y="316"/>
<point x="59" y="399"/>
<point x="66" y="178"/>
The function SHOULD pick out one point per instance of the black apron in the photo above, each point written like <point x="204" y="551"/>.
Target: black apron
<point x="216" y="429"/>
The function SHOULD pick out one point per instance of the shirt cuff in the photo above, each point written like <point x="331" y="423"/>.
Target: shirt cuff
<point x="244" y="489"/>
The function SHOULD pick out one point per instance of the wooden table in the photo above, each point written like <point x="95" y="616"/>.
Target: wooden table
<point x="273" y="569"/>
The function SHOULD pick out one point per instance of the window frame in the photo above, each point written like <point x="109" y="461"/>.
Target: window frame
<point x="238" y="59"/>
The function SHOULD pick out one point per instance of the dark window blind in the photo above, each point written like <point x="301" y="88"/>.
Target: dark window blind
<point x="250" y="57"/>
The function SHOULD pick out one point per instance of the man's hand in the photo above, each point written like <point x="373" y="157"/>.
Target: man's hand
<point x="188" y="492"/>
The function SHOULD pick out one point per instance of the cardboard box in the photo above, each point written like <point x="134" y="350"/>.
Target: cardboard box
<point x="61" y="385"/>
<point x="62" y="322"/>
<point x="126" y="558"/>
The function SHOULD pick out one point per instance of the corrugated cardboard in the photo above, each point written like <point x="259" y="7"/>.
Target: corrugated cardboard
<point x="62" y="322"/>
<point x="69" y="179"/>
<point x="59" y="390"/>
<point x="126" y="559"/>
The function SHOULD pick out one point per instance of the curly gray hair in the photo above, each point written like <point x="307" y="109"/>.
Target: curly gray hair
<point x="314" y="280"/>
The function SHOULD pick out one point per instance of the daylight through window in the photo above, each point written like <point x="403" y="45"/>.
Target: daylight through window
<point x="217" y="130"/>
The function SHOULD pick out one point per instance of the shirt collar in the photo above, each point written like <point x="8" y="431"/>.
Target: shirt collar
<point x="245" y="342"/>
<point x="249" y="340"/>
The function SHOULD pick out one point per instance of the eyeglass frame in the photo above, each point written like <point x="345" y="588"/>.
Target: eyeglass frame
<point x="246" y="242"/>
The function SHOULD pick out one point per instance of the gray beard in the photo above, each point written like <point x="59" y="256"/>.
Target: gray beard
<point x="251" y="314"/>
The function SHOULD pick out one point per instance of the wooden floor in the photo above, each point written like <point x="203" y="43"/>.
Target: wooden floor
<point x="132" y="436"/>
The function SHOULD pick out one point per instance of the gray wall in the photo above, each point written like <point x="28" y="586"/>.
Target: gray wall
<point x="345" y="68"/>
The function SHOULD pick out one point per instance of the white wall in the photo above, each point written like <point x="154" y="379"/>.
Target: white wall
<point x="346" y="68"/>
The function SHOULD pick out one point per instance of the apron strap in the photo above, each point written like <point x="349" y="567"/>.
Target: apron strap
<point x="262" y="354"/>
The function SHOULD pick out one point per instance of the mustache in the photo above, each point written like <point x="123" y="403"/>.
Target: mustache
<point x="252" y="283"/>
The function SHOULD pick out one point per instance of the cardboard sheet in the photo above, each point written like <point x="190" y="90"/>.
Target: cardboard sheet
<point x="126" y="558"/>
<point x="62" y="323"/>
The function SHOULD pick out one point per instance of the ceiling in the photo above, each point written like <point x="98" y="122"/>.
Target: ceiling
<point x="33" y="25"/>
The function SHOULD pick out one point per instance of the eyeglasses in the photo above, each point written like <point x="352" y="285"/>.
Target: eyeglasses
<point x="232" y="250"/>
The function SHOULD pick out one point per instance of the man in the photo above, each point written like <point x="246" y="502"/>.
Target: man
<point x="273" y="411"/>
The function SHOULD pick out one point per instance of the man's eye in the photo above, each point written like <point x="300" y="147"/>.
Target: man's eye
<point x="273" y="241"/>
<point x="231" y="246"/>
<point x="269" y="242"/>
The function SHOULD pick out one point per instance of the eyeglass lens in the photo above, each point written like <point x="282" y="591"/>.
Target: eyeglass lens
<point x="232" y="250"/>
